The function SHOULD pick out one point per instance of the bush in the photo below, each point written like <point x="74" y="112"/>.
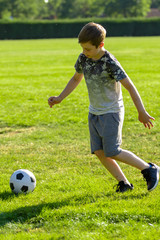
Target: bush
<point x="71" y="28"/>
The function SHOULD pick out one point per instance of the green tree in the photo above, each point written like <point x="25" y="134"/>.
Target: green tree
<point x="53" y="8"/>
<point x="81" y="8"/>
<point x="155" y="4"/>
<point x="19" y="9"/>
<point x="4" y="6"/>
<point x="23" y="9"/>
<point x="127" y="8"/>
<point x="42" y="9"/>
<point x="109" y="8"/>
<point x="66" y="7"/>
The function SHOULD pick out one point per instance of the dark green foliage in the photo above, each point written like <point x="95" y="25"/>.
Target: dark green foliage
<point x="53" y="9"/>
<point x="70" y="28"/>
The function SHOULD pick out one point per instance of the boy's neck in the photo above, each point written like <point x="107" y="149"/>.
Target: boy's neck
<point x="99" y="55"/>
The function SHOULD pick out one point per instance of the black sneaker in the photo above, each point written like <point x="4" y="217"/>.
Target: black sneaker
<point x="151" y="175"/>
<point x="123" y="187"/>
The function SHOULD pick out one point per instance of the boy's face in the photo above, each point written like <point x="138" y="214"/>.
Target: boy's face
<point x="91" y="51"/>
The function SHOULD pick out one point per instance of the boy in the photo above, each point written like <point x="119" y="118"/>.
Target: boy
<point x="104" y="76"/>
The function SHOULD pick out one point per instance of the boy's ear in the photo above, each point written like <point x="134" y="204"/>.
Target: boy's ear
<point x="101" y="44"/>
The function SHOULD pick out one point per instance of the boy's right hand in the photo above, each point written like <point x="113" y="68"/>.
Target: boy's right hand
<point x="54" y="100"/>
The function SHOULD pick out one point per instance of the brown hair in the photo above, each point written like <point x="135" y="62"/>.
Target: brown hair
<point x="92" y="32"/>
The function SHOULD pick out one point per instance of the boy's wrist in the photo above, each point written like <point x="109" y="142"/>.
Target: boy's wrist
<point x="60" y="98"/>
<point x="141" y="111"/>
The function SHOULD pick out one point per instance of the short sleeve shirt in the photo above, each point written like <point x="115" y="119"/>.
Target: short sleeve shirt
<point x="102" y="79"/>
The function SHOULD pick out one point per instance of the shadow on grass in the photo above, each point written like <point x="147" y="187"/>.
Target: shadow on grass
<point x="32" y="214"/>
<point x="6" y="195"/>
<point x="130" y="196"/>
<point x="26" y="213"/>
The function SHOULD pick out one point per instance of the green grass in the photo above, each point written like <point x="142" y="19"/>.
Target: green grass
<point x="74" y="197"/>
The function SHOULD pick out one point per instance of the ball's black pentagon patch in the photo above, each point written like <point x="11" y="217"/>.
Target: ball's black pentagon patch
<point x="12" y="186"/>
<point x="24" y="189"/>
<point x="32" y="179"/>
<point x="19" y="176"/>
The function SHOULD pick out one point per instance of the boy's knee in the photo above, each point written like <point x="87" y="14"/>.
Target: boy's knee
<point x="101" y="155"/>
<point x="115" y="154"/>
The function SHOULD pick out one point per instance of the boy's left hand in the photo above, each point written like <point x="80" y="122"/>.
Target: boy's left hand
<point x="145" y="118"/>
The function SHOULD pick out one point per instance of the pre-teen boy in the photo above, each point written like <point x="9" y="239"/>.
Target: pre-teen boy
<point x="104" y="76"/>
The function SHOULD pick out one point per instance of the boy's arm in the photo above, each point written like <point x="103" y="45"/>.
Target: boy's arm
<point x="143" y="117"/>
<point x="72" y="84"/>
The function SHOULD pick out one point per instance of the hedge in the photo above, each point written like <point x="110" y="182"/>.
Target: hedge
<point x="71" y="28"/>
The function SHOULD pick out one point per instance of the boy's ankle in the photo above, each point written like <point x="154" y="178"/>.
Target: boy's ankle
<point x="148" y="165"/>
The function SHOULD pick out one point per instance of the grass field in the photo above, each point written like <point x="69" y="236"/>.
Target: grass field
<point x="74" y="197"/>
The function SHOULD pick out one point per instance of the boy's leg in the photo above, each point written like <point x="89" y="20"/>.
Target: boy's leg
<point x="131" y="159"/>
<point x="111" y="166"/>
<point x="105" y="133"/>
<point x="150" y="171"/>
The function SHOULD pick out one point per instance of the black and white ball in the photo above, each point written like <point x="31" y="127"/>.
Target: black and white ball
<point x="22" y="181"/>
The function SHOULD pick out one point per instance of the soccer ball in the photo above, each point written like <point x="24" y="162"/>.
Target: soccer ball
<point x="22" y="181"/>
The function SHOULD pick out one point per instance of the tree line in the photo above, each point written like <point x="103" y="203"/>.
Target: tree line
<point x="62" y="9"/>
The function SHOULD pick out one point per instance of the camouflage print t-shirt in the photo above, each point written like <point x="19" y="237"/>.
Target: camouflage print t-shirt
<point x="102" y="78"/>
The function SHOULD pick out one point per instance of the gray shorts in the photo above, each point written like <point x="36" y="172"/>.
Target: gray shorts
<point x="106" y="132"/>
